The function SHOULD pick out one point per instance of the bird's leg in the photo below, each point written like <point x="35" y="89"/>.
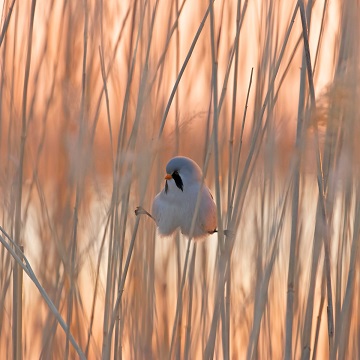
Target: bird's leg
<point x="141" y="211"/>
<point x="227" y="232"/>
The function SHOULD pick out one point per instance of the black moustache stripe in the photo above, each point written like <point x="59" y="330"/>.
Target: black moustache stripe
<point x="178" y="181"/>
<point x="166" y="187"/>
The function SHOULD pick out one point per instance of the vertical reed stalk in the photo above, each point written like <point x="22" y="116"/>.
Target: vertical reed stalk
<point x="6" y="23"/>
<point x="17" y="276"/>
<point x="295" y="214"/>
<point x="182" y="70"/>
<point x="190" y="304"/>
<point x="79" y="180"/>
<point x="320" y="178"/>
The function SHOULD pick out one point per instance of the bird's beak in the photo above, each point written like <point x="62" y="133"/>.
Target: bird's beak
<point x="168" y="177"/>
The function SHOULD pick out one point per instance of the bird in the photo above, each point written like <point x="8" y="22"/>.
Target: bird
<point x="174" y="206"/>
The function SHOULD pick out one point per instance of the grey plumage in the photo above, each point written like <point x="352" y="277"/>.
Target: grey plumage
<point x="174" y="206"/>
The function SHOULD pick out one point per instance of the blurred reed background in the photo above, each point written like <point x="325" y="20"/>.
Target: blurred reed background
<point x="97" y="96"/>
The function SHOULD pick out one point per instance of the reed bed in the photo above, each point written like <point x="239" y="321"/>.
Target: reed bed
<point x="97" y="96"/>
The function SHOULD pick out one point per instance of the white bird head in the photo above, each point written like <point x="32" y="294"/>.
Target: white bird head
<point x="183" y="171"/>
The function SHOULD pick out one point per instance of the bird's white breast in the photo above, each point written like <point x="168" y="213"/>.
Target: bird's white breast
<point x="175" y="209"/>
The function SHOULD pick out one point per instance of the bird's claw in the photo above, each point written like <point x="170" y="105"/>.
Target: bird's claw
<point x="141" y="211"/>
<point x="227" y="232"/>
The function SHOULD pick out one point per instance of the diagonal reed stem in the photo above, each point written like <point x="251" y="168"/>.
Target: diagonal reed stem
<point x="24" y="263"/>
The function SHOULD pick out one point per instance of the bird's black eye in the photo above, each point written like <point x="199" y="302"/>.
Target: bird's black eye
<point x="178" y="181"/>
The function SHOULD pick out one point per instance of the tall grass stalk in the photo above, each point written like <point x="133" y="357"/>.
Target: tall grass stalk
<point x="190" y="307"/>
<point x="114" y="210"/>
<point x="17" y="275"/>
<point x="320" y="181"/>
<point x="6" y="22"/>
<point x="183" y="67"/>
<point x="295" y="209"/>
<point x="25" y="265"/>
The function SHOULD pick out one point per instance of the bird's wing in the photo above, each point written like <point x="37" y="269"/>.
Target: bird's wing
<point x="207" y="213"/>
